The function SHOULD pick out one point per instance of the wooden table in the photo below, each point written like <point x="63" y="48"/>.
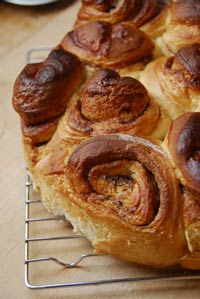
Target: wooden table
<point x="21" y="29"/>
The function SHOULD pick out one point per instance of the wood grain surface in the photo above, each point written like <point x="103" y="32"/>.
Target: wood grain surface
<point x="21" y="29"/>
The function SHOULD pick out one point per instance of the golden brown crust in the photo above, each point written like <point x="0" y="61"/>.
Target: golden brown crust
<point x="106" y="45"/>
<point x="174" y="81"/>
<point x="187" y="60"/>
<point x="42" y="91"/>
<point x="132" y="179"/>
<point x="184" y="147"/>
<point x="126" y="185"/>
<point x="107" y="104"/>
<point x="113" y="94"/>
<point x="110" y="104"/>
<point x="191" y="209"/>
<point x="186" y="12"/>
<point x="137" y="12"/>
<point x="176" y="27"/>
<point x="41" y="133"/>
<point x="132" y="197"/>
<point x="191" y="217"/>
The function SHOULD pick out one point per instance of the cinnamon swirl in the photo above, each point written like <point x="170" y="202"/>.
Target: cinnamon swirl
<point x="41" y="94"/>
<point x="103" y="44"/>
<point x="122" y="194"/>
<point x="138" y="12"/>
<point x="176" y="27"/>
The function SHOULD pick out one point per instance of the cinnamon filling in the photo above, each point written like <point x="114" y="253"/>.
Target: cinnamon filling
<point x="127" y="188"/>
<point x="110" y="100"/>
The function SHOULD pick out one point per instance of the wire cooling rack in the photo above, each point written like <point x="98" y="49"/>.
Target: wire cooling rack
<point x="49" y="241"/>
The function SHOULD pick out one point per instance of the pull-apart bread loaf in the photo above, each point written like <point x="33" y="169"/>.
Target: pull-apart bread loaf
<point x="111" y="135"/>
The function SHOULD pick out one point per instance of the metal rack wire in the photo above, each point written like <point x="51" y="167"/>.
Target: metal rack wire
<point x="31" y="217"/>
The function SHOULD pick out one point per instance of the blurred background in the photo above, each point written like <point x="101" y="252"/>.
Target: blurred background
<point x="19" y="23"/>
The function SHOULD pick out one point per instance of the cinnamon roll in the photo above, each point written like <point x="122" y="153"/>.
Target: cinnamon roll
<point x="121" y="193"/>
<point x="41" y="94"/>
<point x="42" y="90"/>
<point x="138" y="12"/>
<point x="103" y="44"/>
<point x="112" y="104"/>
<point x="176" y="27"/>
<point x="174" y="81"/>
<point x="183" y="145"/>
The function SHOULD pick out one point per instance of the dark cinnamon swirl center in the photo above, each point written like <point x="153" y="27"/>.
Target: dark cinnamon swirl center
<point x="122" y="173"/>
<point x="108" y="98"/>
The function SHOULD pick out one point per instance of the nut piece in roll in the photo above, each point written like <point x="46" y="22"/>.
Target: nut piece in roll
<point x="115" y="46"/>
<point x="176" y="27"/>
<point x="138" y="12"/>
<point x="119" y="191"/>
<point x="174" y="81"/>
<point x="41" y="94"/>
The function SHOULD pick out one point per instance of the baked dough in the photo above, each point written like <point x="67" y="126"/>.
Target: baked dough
<point x="177" y="26"/>
<point x="105" y="104"/>
<point x="102" y="44"/>
<point x="138" y="12"/>
<point x="129" y="196"/>
<point x="111" y="135"/>
<point x="182" y="143"/>
<point x="41" y="94"/>
<point x="174" y="81"/>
